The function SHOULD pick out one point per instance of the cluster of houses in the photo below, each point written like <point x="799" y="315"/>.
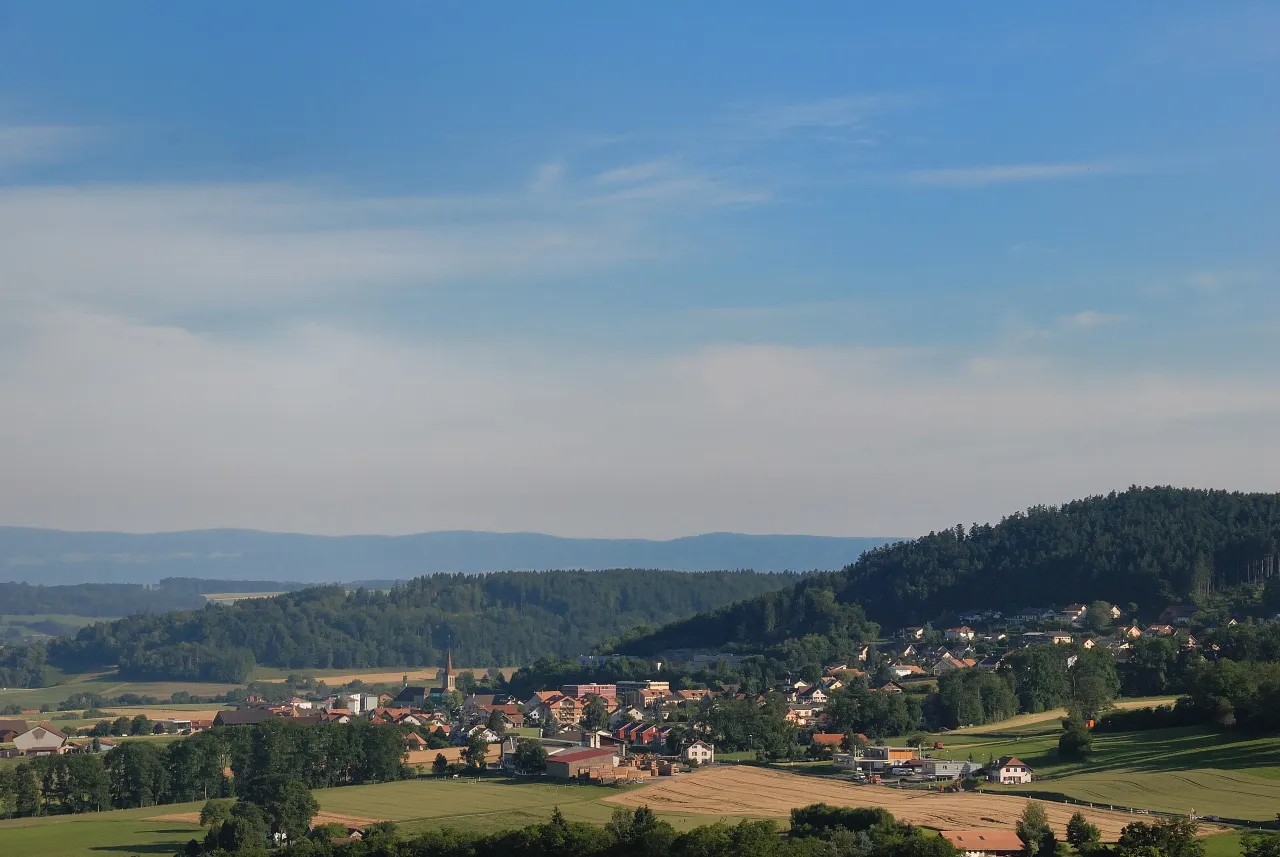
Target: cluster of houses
<point x="910" y="764"/>
<point x="910" y="656"/>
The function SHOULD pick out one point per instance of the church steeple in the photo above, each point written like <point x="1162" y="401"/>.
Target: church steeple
<point x="450" y="683"/>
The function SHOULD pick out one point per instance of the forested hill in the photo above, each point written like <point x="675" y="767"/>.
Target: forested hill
<point x="61" y="557"/>
<point x="1145" y="545"/>
<point x="508" y="618"/>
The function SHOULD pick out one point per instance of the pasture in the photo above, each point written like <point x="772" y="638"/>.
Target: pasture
<point x="485" y="804"/>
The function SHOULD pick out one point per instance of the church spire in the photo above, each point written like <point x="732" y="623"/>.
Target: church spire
<point x="450" y="683"/>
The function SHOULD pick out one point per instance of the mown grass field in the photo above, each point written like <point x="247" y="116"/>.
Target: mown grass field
<point x="107" y="685"/>
<point x="487" y="804"/>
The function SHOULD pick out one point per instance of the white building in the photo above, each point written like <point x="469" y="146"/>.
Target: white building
<point x="1009" y="771"/>
<point x="699" y="753"/>
<point x="42" y="740"/>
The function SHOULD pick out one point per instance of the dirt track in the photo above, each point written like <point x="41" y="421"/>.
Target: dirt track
<point x="748" y="791"/>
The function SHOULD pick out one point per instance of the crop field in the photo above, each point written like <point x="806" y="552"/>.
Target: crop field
<point x="233" y="597"/>
<point x="750" y="791"/>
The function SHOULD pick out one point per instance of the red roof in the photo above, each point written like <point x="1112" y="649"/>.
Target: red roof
<point x="832" y="738"/>
<point x="983" y="840"/>
<point x="580" y="755"/>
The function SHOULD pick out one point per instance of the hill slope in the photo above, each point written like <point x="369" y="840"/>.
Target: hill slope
<point x="491" y="620"/>
<point x="57" y="556"/>
<point x="1145" y="545"/>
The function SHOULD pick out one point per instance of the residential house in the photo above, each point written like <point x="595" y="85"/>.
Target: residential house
<point x="813" y="696"/>
<point x="802" y="715"/>
<point x="1160" y="630"/>
<point x="477" y="701"/>
<point x="964" y="632"/>
<point x="40" y="740"/>
<point x="985" y="843"/>
<point x="905" y="670"/>
<point x="1073" y="614"/>
<point x="950" y="663"/>
<point x="410" y="696"/>
<point x="827" y="739"/>
<point x="1178" y="614"/>
<point x="1115" y="612"/>
<point x="1009" y="771"/>
<point x="10" y="729"/>
<point x="1129" y="632"/>
<point x="889" y="687"/>
<point x="913" y="633"/>
<point x="699" y="753"/>
<point x="625" y="715"/>
<point x="991" y="662"/>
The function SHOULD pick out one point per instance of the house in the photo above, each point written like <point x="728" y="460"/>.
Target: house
<point x="827" y="739"/>
<point x="951" y="662"/>
<point x="1177" y="614"/>
<point x="985" y="843"/>
<point x="812" y="696"/>
<point x="625" y="715"/>
<point x="802" y="715"/>
<point x="913" y="633"/>
<point x="1009" y="771"/>
<point x="243" y="717"/>
<point x="1073" y="614"/>
<point x="41" y="740"/>
<point x="908" y="651"/>
<point x="889" y="687"/>
<point x="1160" y="630"/>
<point x="410" y="696"/>
<point x="904" y="670"/>
<point x="1115" y="612"/>
<point x="574" y="762"/>
<point x="699" y="753"/>
<point x="1130" y="632"/>
<point x="990" y="662"/>
<point x="477" y="701"/>
<point x="414" y="741"/>
<point x="964" y="632"/>
<point x="10" y="729"/>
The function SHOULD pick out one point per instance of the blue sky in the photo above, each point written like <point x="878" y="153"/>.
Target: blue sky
<point x="631" y="270"/>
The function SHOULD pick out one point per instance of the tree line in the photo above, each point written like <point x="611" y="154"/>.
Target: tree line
<point x="817" y="830"/>
<point x="1140" y="545"/>
<point x="122" y="599"/>
<point x="141" y="773"/>
<point x="488" y="620"/>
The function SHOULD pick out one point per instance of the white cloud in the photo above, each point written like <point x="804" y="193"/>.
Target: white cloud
<point x="1003" y="174"/>
<point x="549" y="175"/>
<point x="117" y="424"/>
<point x="1092" y="318"/>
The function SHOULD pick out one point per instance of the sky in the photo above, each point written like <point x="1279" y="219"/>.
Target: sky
<point x="632" y="269"/>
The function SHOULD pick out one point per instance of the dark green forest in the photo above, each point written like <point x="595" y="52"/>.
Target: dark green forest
<point x="489" y="620"/>
<point x="1148" y="546"/>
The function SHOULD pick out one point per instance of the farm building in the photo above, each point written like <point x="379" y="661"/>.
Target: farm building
<point x="572" y="763"/>
<point x="985" y="843"/>
<point x="942" y="769"/>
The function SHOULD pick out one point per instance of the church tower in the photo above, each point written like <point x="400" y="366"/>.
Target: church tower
<point x="450" y="683"/>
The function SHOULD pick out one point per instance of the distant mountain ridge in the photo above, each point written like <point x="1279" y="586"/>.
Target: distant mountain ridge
<point x="61" y="556"/>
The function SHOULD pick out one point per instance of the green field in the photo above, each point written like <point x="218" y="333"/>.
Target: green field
<point x="43" y="625"/>
<point x="107" y="685"/>
<point x="487" y="804"/>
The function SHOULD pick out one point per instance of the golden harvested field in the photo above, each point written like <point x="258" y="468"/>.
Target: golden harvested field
<point x="748" y="791"/>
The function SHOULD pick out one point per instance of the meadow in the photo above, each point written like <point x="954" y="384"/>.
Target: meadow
<point x="485" y="804"/>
